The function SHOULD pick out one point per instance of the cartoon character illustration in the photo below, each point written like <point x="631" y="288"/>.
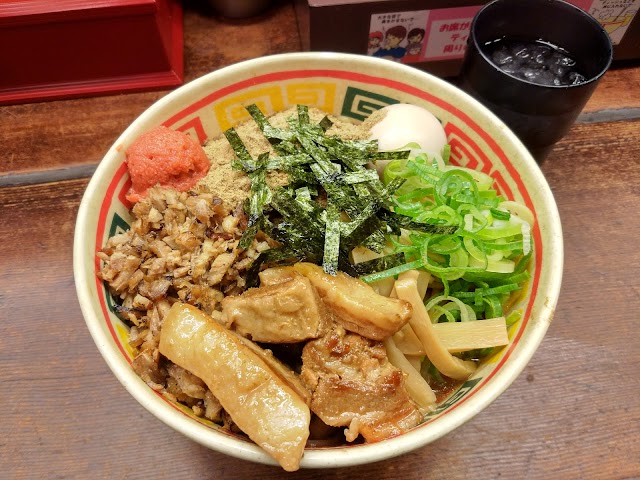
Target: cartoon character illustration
<point x="392" y="49"/>
<point x="375" y="39"/>
<point x="414" y="47"/>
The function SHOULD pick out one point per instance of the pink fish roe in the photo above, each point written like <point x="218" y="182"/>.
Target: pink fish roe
<point x="164" y="157"/>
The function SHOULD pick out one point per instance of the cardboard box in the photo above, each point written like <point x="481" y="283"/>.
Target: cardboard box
<point x="70" y="48"/>
<point x="434" y="32"/>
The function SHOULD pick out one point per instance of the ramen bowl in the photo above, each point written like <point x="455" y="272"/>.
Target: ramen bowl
<point x="350" y="87"/>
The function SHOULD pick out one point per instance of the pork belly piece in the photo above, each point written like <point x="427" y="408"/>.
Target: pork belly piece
<point x="356" y="305"/>
<point x="263" y="406"/>
<point x="353" y="384"/>
<point x="289" y="311"/>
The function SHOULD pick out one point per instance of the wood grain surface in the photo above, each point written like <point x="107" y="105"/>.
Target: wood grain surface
<point x="37" y="136"/>
<point x="574" y="413"/>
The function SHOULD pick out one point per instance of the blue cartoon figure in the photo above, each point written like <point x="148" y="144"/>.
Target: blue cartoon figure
<point x="392" y="49"/>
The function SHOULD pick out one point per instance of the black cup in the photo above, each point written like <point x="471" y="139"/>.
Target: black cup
<point x="539" y="115"/>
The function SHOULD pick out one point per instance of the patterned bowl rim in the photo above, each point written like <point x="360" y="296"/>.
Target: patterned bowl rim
<point x="492" y="385"/>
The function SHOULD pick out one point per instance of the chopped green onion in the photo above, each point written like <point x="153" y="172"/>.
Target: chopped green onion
<point x="379" y="264"/>
<point x="392" y="272"/>
<point x="500" y="214"/>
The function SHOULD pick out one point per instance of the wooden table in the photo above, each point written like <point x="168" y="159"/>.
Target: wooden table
<point x="574" y="413"/>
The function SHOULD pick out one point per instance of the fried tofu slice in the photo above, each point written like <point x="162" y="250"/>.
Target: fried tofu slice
<point x="356" y="305"/>
<point x="258" y="400"/>
<point x="287" y="311"/>
<point x="274" y="275"/>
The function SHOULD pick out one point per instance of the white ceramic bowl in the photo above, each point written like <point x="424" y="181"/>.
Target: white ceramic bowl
<point x="351" y="86"/>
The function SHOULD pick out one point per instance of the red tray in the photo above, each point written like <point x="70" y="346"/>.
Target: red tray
<point x="71" y="48"/>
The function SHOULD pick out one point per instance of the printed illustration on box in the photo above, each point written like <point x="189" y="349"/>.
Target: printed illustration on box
<point x="418" y="36"/>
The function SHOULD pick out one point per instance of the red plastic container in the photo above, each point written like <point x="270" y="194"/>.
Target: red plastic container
<point x="70" y="48"/>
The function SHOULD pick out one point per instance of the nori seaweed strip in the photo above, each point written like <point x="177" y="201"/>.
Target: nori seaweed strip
<point x="331" y="240"/>
<point x="300" y="176"/>
<point x="384" y="194"/>
<point x="308" y="191"/>
<point x="361" y="189"/>
<point x="367" y="146"/>
<point x="303" y="114"/>
<point x="300" y="231"/>
<point x="274" y="135"/>
<point x="352" y="159"/>
<point x="362" y="192"/>
<point x="354" y="154"/>
<point x="292" y="236"/>
<point x="306" y="137"/>
<point x="283" y="202"/>
<point x="379" y="264"/>
<point x="250" y="233"/>
<point x="376" y="241"/>
<point x="361" y="176"/>
<point x="361" y="227"/>
<point x="259" y="197"/>
<point x="341" y="195"/>
<point x="348" y="244"/>
<point x="354" y="164"/>
<point x="395" y="155"/>
<point x="307" y="231"/>
<point x="304" y="198"/>
<point x="282" y="162"/>
<point x="286" y="147"/>
<point x="243" y="156"/>
<point x="325" y="123"/>
<point x="257" y="115"/>
<point x="298" y="242"/>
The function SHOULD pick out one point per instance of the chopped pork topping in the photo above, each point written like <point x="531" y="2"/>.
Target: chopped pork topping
<point x="182" y="246"/>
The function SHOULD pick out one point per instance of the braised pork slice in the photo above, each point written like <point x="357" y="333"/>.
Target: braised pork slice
<point x="289" y="311"/>
<point x="353" y="384"/>
<point x="259" y="401"/>
<point x="357" y="306"/>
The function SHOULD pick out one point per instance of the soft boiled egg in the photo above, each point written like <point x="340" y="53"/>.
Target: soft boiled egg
<point x="402" y="124"/>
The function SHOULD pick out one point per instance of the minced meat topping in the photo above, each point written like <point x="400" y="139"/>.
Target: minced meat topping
<point x="182" y="246"/>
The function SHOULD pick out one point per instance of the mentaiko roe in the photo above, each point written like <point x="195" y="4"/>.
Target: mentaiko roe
<point x="164" y="157"/>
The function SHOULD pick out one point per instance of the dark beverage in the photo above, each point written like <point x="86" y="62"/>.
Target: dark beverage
<point x="537" y="61"/>
<point x="536" y="88"/>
